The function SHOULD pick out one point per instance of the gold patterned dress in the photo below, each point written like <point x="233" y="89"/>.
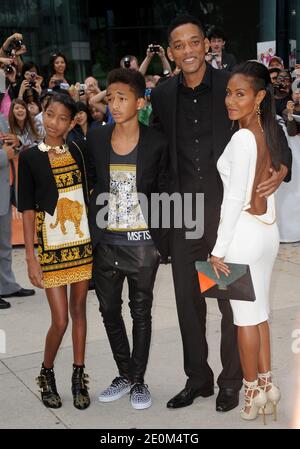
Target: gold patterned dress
<point x="64" y="244"/>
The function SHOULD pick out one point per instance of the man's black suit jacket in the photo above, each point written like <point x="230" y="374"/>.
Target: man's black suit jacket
<point x="164" y="104"/>
<point x="151" y="176"/>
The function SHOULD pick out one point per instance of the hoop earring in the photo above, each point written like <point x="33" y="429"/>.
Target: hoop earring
<point x="258" y="114"/>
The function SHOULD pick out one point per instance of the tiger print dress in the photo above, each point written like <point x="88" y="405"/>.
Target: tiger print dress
<point x="64" y="244"/>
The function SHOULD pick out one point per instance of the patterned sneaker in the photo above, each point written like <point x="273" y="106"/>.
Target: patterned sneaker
<point x="118" y="388"/>
<point x="140" y="396"/>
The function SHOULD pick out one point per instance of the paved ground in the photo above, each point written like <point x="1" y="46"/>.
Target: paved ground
<point x="25" y="325"/>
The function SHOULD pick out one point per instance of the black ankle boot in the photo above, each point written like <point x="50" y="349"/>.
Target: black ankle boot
<point x="81" y="398"/>
<point x="46" y="382"/>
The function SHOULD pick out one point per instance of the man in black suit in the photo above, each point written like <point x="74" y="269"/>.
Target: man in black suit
<point x="190" y="109"/>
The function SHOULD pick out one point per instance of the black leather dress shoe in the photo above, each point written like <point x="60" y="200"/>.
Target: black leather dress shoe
<point x="4" y="304"/>
<point x="187" y="395"/>
<point x="227" y="399"/>
<point x="20" y="293"/>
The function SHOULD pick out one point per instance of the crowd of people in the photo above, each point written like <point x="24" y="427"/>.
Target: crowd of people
<point x="208" y="126"/>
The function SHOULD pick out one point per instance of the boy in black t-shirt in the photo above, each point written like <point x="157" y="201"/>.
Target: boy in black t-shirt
<point x="127" y="158"/>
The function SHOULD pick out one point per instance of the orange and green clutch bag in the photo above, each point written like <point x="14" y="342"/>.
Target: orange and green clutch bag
<point x="238" y="285"/>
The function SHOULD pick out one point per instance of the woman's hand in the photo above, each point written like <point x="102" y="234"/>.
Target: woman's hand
<point x="12" y="76"/>
<point x="11" y="140"/>
<point x="6" y="61"/>
<point x="290" y="107"/>
<point x="9" y="151"/>
<point x="23" y="87"/>
<point x="161" y="53"/>
<point x="218" y="264"/>
<point x="35" y="273"/>
<point x="38" y="88"/>
<point x="149" y="53"/>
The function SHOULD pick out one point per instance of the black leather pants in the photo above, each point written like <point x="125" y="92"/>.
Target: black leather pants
<point x="139" y="265"/>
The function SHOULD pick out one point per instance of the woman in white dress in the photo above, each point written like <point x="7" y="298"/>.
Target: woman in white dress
<point x="247" y="232"/>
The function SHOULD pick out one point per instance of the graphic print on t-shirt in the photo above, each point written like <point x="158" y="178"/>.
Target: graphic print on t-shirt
<point x="125" y="213"/>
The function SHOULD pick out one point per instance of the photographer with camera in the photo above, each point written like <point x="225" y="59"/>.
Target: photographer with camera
<point x="292" y="110"/>
<point x="152" y="50"/>
<point x="282" y="90"/>
<point x="5" y="100"/>
<point x="30" y="81"/>
<point x="217" y="56"/>
<point x="11" y="63"/>
<point x="274" y="72"/>
<point x="14" y="47"/>
<point x="129" y="62"/>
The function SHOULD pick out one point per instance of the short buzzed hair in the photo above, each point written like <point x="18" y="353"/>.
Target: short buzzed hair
<point x="184" y="20"/>
<point x="131" y="77"/>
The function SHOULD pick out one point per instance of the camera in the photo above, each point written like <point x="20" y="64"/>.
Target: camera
<point x="8" y="68"/>
<point x="31" y="82"/>
<point x="57" y="83"/>
<point x="15" y="44"/>
<point x="82" y="89"/>
<point x="154" y="48"/>
<point x="278" y="87"/>
<point x="64" y="86"/>
<point x="127" y="62"/>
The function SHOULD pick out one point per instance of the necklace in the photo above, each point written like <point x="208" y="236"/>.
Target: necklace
<point x="59" y="149"/>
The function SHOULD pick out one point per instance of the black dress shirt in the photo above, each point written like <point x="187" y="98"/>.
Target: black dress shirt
<point x="194" y="134"/>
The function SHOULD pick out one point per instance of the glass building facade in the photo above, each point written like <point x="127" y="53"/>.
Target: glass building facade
<point x="95" y="34"/>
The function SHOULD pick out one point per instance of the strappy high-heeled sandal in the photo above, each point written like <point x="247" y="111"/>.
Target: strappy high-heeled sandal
<point x="255" y="399"/>
<point x="272" y="392"/>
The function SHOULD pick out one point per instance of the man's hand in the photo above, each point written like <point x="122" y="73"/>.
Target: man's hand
<point x="268" y="187"/>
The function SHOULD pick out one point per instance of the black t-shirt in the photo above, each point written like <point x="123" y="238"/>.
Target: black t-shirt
<point x="126" y="223"/>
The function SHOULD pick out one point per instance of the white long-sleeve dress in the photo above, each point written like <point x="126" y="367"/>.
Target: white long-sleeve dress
<point x="243" y="237"/>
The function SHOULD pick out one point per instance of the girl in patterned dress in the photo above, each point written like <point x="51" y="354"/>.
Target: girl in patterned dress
<point x="53" y="196"/>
